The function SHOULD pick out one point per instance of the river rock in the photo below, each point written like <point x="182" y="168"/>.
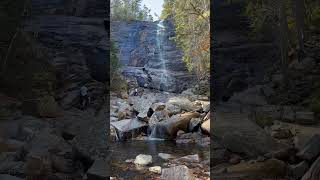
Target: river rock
<point x="190" y="158"/>
<point x="169" y="128"/>
<point x="62" y="164"/>
<point x="311" y="150"/>
<point x="128" y="128"/>
<point x="155" y="169"/>
<point x="178" y="172"/>
<point x="158" y="106"/>
<point x="183" y="103"/>
<point x="172" y="109"/>
<point x="165" y="156"/>
<point x="271" y="168"/>
<point x="143" y="160"/>
<point x="9" y="177"/>
<point x="206" y="108"/>
<point x="194" y="124"/>
<point x="158" y="116"/>
<point x="99" y="170"/>
<point x="205" y="126"/>
<point x="298" y="170"/>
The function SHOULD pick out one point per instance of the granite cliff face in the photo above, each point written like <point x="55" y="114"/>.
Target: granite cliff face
<point x="149" y="45"/>
<point x="73" y="34"/>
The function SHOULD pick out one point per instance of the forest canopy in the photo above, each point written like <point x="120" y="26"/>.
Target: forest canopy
<point x="192" y="27"/>
<point x="127" y="10"/>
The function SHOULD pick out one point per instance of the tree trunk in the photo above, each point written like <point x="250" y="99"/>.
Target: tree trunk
<point x="283" y="41"/>
<point x="299" y="17"/>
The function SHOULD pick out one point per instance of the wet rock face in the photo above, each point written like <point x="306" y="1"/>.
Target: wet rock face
<point x="147" y="45"/>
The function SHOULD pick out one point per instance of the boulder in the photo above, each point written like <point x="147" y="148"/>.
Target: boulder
<point x="155" y="169"/>
<point x="10" y="165"/>
<point x="298" y="170"/>
<point x="270" y="168"/>
<point x="311" y="149"/>
<point x="172" y="109"/>
<point x="305" y="65"/>
<point x="99" y="170"/>
<point x="158" y="106"/>
<point x="143" y="160"/>
<point x="240" y="135"/>
<point x="38" y="167"/>
<point x="183" y="103"/>
<point x="165" y="156"/>
<point x="251" y="96"/>
<point x="219" y="156"/>
<point x="178" y="172"/>
<point x="205" y="126"/>
<point x="206" y="108"/>
<point x="9" y="177"/>
<point x="128" y="128"/>
<point x="190" y="158"/>
<point x="281" y="134"/>
<point x="194" y="124"/>
<point x="305" y="118"/>
<point x="314" y="172"/>
<point x="62" y="164"/>
<point x="48" y="107"/>
<point x="158" y="116"/>
<point x="169" y="128"/>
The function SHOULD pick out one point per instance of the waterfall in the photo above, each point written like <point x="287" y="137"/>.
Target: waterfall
<point x="159" y="42"/>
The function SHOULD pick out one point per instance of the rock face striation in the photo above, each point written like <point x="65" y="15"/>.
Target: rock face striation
<point x="75" y="40"/>
<point x="150" y="56"/>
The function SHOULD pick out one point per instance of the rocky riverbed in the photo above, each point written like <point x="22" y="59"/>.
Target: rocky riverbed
<point x="160" y="134"/>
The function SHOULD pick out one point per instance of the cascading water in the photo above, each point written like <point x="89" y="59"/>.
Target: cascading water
<point x="159" y="42"/>
<point x="165" y="77"/>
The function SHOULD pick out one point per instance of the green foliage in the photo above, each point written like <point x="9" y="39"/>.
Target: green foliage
<point x="313" y="14"/>
<point x="264" y="13"/>
<point x="117" y="83"/>
<point x="192" y="28"/>
<point x="127" y="10"/>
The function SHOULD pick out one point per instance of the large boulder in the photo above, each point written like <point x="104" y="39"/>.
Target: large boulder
<point x="99" y="170"/>
<point x="205" y="126"/>
<point x="314" y="172"/>
<point x="143" y="160"/>
<point x="178" y="172"/>
<point x="183" y="103"/>
<point x="128" y="128"/>
<point x="271" y="168"/>
<point x="239" y="134"/>
<point x="311" y="149"/>
<point x="169" y="128"/>
<point x="157" y="117"/>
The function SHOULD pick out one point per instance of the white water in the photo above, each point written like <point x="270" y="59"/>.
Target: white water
<point x="159" y="42"/>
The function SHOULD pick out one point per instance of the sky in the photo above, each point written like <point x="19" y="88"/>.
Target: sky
<point x="155" y="6"/>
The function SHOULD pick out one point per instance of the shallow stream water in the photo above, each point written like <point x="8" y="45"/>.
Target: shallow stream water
<point x="121" y="151"/>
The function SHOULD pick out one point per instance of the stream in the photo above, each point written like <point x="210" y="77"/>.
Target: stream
<point x="121" y="151"/>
